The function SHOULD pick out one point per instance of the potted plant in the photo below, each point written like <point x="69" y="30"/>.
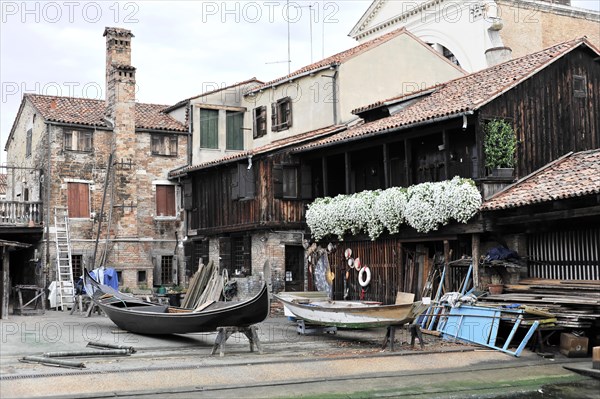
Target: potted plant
<point x="500" y="144"/>
<point x="496" y="287"/>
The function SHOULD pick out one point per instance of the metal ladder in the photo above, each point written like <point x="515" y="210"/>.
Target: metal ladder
<point x="64" y="265"/>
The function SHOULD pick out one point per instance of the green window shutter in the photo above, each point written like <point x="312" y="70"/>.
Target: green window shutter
<point x="235" y="131"/>
<point x="209" y="128"/>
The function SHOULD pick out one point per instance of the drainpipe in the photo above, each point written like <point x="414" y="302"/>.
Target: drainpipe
<point x="334" y="82"/>
<point x="190" y="134"/>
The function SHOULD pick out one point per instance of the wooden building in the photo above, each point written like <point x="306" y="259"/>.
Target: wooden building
<point x="428" y="136"/>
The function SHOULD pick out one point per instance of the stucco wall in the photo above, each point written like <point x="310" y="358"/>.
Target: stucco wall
<point x="399" y="66"/>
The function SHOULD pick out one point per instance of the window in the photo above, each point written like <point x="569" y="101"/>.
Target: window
<point x="29" y="139"/>
<point x="141" y="276"/>
<point x="579" y="86"/>
<point x="77" y="264"/>
<point x="235" y="255"/>
<point x="260" y="121"/>
<point x="78" y="200"/>
<point x="78" y="140"/>
<point x="163" y="144"/>
<point x="242" y="182"/>
<point x="209" y="128"/>
<point x="235" y="130"/>
<point x="166" y="269"/>
<point x="281" y="117"/>
<point x="291" y="181"/>
<point x="165" y="200"/>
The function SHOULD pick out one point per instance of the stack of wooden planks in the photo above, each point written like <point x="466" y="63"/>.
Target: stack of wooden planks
<point x="575" y="303"/>
<point x="206" y="286"/>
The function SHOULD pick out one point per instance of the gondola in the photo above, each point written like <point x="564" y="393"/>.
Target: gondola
<point x="137" y="316"/>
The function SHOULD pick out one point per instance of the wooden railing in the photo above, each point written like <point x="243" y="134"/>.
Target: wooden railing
<point x="28" y="213"/>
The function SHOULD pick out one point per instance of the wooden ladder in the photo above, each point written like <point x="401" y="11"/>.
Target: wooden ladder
<point x="64" y="266"/>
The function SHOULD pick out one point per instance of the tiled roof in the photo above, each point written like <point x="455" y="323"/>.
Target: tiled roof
<point x="461" y="95"/>
<point x="183" y="102"/>
<point x="573" y="175"/>
<point x="84" y="111"/>
<point x="345" y="56"/>
<point x="273" y="146"/>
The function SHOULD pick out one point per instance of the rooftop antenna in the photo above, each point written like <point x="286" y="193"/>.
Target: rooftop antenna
<point x="289" y="57"/>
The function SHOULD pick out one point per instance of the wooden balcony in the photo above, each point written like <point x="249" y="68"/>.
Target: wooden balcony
<point x="21" y="213"/>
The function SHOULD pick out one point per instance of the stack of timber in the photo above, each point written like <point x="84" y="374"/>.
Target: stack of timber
<point x="206" y="286"/>
<point x="575" y="303"/>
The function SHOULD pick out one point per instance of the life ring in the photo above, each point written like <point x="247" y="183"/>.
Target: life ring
<point x="361" y="279"/>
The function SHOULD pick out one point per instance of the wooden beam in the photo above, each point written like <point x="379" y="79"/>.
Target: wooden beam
<point x="325" y="180"/>
<point x="347" y="170"/>
<point x="446" y="142"/>
<point x="407" y="161"/>
<point x="549" y="216"/>
<point x="386" y="166"/>
<point x="475" y="242"/>
<point x="446" y="281"/>
<point x="5" y="284"/>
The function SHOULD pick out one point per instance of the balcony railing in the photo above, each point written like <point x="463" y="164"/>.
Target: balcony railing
<point x="21" y="213"/>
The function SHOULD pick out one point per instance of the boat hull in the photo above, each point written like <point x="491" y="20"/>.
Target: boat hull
<point x="146" y="318"/>
<point x="352" y="314"/>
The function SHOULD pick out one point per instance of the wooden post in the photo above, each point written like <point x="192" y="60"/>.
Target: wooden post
<point x="347" y="161"/>
<point x="402" y="267"/>
<point x="475" y="241"/>
<point x="5" y="284"/>
<point x="325" y="181"/>
<point x="407" y="161"/>
<point x="446" y="142"/>
<point x="386" y="166"/>
<point x="446" y="260"/>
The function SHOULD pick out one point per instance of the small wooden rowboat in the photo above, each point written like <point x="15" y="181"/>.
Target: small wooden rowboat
<point x="350" y="314"/>
<point x="138" y="316"/>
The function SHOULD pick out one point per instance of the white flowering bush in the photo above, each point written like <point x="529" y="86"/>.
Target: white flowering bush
<point x="425" y="207"/>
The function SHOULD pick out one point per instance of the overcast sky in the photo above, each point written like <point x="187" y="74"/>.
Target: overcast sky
<point x="180" y="49"/>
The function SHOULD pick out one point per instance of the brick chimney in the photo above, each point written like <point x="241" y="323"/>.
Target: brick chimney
<point x="120" y="111"/>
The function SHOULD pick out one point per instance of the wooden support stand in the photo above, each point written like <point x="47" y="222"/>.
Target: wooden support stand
<point x="390" y="336"/>
<point x="225" y="332"/>
<point x="37" y="301"/>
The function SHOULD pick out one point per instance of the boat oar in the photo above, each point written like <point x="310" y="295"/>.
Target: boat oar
<point x="111" y="352"/>
<point x="53" y="362"/>
<point x="101" y="345"/>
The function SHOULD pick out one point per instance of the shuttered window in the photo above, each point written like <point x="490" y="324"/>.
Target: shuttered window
<point x="281" y="114"/>
<point x="28" y="143"/>
<point x="163" y="144"/>
<point x="209" y="128"/>
<point x="292" y="181"/>
<point x="165" y="200"/>
<point x="260" y="122"/>
<point x="243" y="182"/>
<point x="78" y="140"/>
<point x="235" y="130"/>
<point x="78" y="197"/>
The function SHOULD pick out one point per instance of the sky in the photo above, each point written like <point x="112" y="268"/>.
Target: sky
<point x="180" y="49"/>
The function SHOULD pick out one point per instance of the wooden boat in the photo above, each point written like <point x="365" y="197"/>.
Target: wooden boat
<point x="350" y="314"/>
<point x="138" y="316"/>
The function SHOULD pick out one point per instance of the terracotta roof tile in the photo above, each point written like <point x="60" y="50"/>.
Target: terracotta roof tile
<point x="84" y="111"/>
<point x="464" y="94"/>
<point x="273" y="146"/>
<point x="573" y="175"/>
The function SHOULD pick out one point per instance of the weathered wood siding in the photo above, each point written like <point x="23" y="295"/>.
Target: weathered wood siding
<point x="550" y="120"/>
<point x="214" y="211"/>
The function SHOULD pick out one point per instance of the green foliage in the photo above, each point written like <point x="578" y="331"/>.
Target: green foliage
<point x="499" y="144"/>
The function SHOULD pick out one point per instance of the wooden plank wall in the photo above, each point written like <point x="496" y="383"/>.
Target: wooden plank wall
<point x="565" y="255"/>
<point x="214" y="208"/>
<point x="549" y="119"/>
